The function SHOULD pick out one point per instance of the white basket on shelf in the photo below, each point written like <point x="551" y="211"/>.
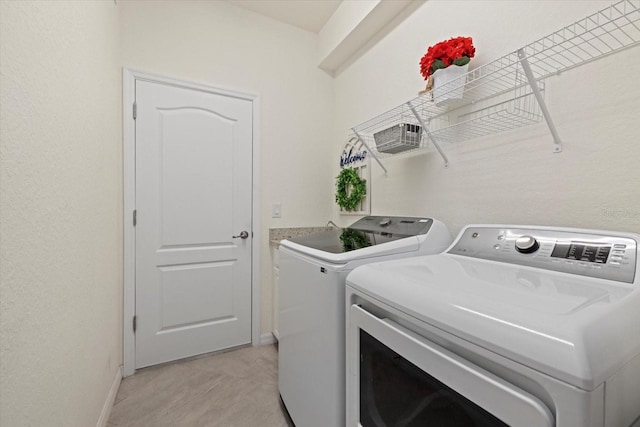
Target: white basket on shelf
<point x="398" y="138"/>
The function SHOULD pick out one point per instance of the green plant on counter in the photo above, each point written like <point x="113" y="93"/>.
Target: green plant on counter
<point x="354" y="239"/>
<point x="350" y="189"/>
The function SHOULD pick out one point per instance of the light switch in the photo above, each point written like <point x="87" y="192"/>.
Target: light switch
<point x="276" y="210"/>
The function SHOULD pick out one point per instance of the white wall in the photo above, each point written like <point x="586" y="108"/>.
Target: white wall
<point x="226" y="46"/>
<point x="513" y="177"/>
<point x="60" y="220"/>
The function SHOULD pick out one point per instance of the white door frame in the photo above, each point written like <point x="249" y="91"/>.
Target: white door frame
<point x="129" y="76"/>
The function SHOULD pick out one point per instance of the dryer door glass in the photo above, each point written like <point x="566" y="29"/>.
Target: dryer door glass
<point x="395" y="392"/>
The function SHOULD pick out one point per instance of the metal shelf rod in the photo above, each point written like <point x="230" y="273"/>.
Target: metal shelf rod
<point x="424" y="130"/>
<point x="370" y="150"/>
<point x="557" y="143"/>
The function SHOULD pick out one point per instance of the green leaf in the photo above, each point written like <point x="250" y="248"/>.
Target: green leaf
<point x="463" y="60"/>
<point x="437" y="64"/>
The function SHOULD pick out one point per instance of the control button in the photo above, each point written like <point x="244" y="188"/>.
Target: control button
<point x="582" y="264"/>
<point x="614" y="262"/>
<point x="618" y="252"/>
<point x="500" y="236"/>
<point x="527" y="244"/>
<point x="596" y="266"/>
<point x="568" y="262"/>
<point x="616" y="258"/>
<point x="385" y="221"/>
<point x="619" y="246"/>
<point x="496" y="246"/>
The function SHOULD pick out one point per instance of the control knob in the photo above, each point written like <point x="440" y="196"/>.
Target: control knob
<point x="527" y="244"/>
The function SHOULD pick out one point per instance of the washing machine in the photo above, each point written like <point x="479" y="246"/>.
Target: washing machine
<point x="313" y="268"/>
<point x="512" y="325"/>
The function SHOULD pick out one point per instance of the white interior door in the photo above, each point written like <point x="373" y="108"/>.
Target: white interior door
<point x="193" y="193"/>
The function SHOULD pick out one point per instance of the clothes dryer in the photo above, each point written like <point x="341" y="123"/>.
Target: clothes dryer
<point x="513" y="325"/>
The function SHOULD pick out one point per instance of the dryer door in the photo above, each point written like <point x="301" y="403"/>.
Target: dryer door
<point x="398" y="378"/>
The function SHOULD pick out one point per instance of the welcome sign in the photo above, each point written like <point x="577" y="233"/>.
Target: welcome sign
<point x="354" y="153"/>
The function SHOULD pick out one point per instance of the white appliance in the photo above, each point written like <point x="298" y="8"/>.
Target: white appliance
<point x="512" y="325"/>
<point x="313" y="269"/>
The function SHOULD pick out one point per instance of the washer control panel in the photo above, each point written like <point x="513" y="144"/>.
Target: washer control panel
<point x="584" y="252"/>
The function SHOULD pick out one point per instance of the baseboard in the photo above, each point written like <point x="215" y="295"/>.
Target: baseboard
<point x="111" y="398"/>
<point x="267" y="338"/>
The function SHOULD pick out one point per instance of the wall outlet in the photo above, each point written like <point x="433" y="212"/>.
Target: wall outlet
<point x="276" y="210"/>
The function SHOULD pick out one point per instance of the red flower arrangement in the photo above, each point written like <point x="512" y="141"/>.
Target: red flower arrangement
<point x="456" y="51"/>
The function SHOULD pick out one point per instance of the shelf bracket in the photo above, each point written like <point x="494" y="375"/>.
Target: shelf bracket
<point x="557" y="144"/>
<point x="424" y="130"/>
<point x="369" y="148"/>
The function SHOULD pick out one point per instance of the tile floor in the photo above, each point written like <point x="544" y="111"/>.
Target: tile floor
<point x="233" y="389"/>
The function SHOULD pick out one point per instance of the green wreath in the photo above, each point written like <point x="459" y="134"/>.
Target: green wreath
<point x="348" y="179"/>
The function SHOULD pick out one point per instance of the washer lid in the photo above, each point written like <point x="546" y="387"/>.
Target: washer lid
<point x="366" y="232"/>
<point x="343" y="240"/>
<point x="561" y="324"/>
<point x="373" y="236"/>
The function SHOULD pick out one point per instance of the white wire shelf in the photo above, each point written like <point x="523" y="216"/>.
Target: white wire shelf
<point x="508" y="93"/>
<point x="510" y="114"/>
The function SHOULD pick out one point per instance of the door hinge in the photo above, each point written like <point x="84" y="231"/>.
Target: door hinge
<point x="135" y="323"/>
<point x="135" y="217"/>
<point x="135" y="110"/>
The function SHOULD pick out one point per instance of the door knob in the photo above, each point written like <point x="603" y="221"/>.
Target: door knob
<point x="242" y="235"/>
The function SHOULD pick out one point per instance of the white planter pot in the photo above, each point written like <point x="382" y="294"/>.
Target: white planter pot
<point x="448" y="84"/>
